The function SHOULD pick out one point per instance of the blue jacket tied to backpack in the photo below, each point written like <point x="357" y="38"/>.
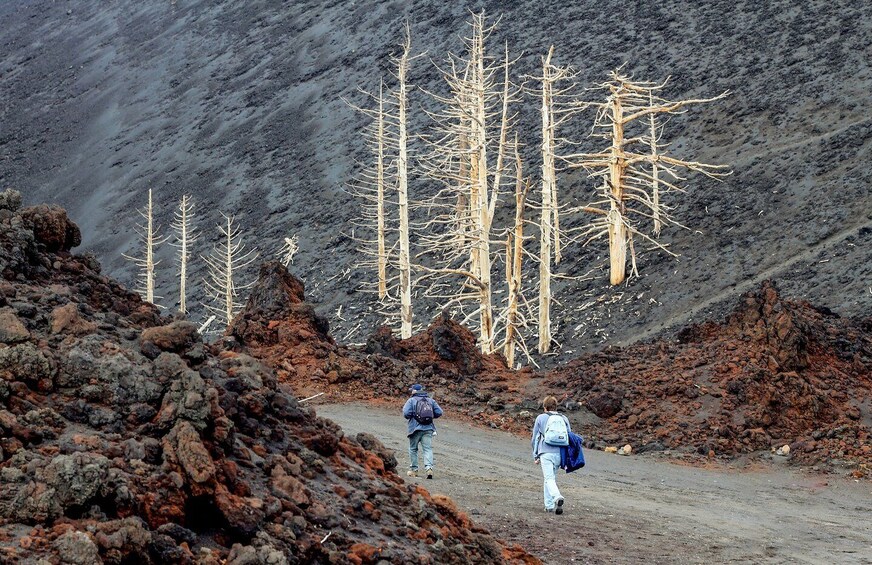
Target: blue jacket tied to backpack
<point x="409" y="412"/>
<point x="572" y="456"/>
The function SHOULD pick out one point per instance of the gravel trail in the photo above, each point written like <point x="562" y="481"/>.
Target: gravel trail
<point x="635" y="509"/>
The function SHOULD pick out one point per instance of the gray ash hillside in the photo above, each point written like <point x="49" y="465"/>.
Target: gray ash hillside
<point x="240" y="105"/>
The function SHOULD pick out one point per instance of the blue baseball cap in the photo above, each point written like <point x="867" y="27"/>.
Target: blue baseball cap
<point x="417" y="388"/>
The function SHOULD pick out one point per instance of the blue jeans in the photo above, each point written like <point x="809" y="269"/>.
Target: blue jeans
<point x="425" y="438"/>
<point x="550" y="462"/>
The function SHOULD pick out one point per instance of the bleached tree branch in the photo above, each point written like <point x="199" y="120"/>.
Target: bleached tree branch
<point x="224" y="265"/>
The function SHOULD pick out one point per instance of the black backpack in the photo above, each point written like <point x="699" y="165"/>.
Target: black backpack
<point x="424" y="411"/>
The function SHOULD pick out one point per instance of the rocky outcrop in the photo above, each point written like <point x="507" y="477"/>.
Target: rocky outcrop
<point x="125" y="439"/>
<point x="445" y="346"/>
<point x="276" y="312"/>
<point x="775" y="372"/>
<point x="51" y="227"/>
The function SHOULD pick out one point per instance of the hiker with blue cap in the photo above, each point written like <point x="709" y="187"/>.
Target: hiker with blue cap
<point x="420" y="410"/>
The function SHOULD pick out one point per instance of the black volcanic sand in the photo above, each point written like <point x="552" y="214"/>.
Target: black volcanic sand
<point x="240" y="105"/>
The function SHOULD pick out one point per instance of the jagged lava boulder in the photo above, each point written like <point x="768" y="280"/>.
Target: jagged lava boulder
<point x="446" y="346"/>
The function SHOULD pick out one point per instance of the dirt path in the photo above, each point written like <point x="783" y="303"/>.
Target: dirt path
<point x="634" y="509"/>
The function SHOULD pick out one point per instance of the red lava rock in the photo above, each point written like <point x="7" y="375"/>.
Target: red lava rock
<point x="66" y="319"/>
<point x="176" y="337"/>
<point x="605" y="405"/>
<point x="363" y="553"/>
<point x="291" y="487"/>
<point x="445" y="346"/>
<point x="188" y="449"/>
<point x="51" y="227"/>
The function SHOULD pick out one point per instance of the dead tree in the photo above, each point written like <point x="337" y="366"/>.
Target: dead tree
<point x="369" y="187"/>
<point x="470" y="163"/>
<point x="402" y="65"/>
<point x="381" y="255"/>
<point x="185" y="236"/>
<point x="384" y="218"/>
<point x="224" y="264"/>
<point x="288" y="250"/>
<point x="627" y="190"/>
<point x="514" y="257"/>
<point x="653" y="140"/>
<point x="558" y="105"/>
<point x="149" y="239"/>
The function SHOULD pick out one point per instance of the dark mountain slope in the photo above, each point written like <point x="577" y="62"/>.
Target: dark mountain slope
<point x="239" y="104"/>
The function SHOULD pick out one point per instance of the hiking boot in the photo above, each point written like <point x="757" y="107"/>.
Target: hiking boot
<point x="412" y="472"/>
<point x="549" y="510"/>
<point x="559" y="509"/>
<point x="429" y="473"/>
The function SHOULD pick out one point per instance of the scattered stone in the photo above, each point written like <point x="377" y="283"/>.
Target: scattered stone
<point x="10" y="200"/>
<point x="605" y="405"/>
<point x="372" y="443"/>
<point x="12" y="330"/>
<point x="626" y="450"/>
<point x="76" y="548"/>
<point x="67" y="319"/>
<point x="176" y="337"/>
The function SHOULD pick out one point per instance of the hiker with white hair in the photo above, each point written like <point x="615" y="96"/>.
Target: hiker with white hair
<point x="420" y="410"/>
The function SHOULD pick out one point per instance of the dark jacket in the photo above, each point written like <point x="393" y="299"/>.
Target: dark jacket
<point x="572" y="456"/>
<point x="409" y="413"/>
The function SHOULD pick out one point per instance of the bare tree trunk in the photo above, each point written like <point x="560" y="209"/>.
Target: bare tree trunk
<point x="149" y="253"/>
<point x="223" y="264"/>
<point x="617" y="227"/>
<point x="185" y="237"/>
<point x="183" y="256"/>
<point x="483" y="221"/>
<point x="228" y="275"/>
<point x="655" y="173"/>
<point x="513" y="262"/>
<point x="548" y="173"/>
<point x="548" y="212"/>
<point x="463" y="197"/>
<point x="403" y="194"/>
<point x="380" y="196"/>
<point x="474" y="190"/>
<point x="147" y="237"/>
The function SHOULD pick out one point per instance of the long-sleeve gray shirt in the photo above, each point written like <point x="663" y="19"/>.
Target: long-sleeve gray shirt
<point x="539" y="446"/>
